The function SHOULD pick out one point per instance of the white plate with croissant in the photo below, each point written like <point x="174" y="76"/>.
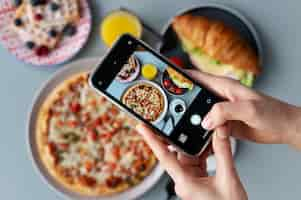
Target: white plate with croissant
<point x="215" y="39"/>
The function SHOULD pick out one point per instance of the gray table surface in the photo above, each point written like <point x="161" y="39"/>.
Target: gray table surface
<point x="267" y="171"/>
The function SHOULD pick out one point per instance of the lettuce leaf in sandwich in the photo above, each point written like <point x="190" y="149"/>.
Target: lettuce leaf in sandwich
<point x="178" y="79"/>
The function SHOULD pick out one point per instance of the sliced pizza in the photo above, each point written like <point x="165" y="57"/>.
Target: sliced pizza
<point x="87" y="144"/>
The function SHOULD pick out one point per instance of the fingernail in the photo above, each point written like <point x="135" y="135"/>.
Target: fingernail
<point x="207" y="123"/>
<point x="221" y="135"/>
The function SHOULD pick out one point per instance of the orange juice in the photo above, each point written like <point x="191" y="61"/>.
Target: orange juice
<point x="149" y="71"/>
<point x="117" y="23"/>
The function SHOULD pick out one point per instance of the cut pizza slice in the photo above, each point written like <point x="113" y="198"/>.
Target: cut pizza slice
<point x="87" y="144"/>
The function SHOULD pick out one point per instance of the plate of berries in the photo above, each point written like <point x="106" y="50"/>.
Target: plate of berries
<point x="44" y="32"/>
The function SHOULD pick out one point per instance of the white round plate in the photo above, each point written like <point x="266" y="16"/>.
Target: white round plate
<point x="133" y="76"/>
<point x="226" y="14"/>
<point x="67" y="71"/>
<point x="67" y="48"/>
<point x="161" y="117"/>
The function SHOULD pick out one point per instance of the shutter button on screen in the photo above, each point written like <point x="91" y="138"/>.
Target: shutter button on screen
<point x="195" y="120"/>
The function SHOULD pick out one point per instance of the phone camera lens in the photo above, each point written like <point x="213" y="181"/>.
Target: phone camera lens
<point x="179" y="108"/>
<point x="130" y="42"/>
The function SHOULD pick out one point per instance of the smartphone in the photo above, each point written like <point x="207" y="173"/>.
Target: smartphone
<point x="153" y="90"/>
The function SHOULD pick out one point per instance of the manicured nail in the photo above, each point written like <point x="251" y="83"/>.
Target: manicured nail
<point x="221" y="135"/>
<point x="207" y="123"/>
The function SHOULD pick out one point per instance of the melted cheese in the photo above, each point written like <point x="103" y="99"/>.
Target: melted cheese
<point x="81" y="151"/>
<point x="127" y="160"/>
<point x="71" y="158"/>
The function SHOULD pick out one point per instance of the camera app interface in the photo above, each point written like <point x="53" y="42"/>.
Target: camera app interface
<point x="153" y="90"/>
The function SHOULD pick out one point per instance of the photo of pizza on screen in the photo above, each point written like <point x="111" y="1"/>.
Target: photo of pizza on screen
<point x="153" y="90"/>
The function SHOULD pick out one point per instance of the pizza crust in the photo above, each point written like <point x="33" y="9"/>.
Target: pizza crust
<point x="48" y="162"/>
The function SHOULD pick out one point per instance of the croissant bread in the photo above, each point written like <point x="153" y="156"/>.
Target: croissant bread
<point x="217" y="42"/>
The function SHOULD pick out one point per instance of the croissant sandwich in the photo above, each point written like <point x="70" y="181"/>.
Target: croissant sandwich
<point x="216" y="48"/>
<point x="178" y="79"/>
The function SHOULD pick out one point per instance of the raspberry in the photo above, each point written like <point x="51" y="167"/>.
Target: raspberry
<point x="38" y="17"/>
<point x="42" y="51"/>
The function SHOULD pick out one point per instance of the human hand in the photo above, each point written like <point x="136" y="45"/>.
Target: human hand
<point x="252" y="116"/>
<point x="189" y="173"/>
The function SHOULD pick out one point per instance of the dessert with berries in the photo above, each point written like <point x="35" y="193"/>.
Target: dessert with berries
<point x="42" y="24"/>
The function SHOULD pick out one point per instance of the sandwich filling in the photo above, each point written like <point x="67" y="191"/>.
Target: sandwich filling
<point x="213" y="66"/>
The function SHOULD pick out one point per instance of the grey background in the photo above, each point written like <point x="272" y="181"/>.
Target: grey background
<point x="267" y="171"/>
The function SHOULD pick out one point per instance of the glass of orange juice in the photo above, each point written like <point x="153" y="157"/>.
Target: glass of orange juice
<point x="117" y="23"/>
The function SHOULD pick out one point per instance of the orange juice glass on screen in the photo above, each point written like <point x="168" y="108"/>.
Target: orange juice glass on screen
<point x="117" y="23"/>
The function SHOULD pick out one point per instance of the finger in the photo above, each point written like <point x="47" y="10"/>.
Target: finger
<point x="224" y="87"/>
<point x="223" y="155"/>
<point x="226" y="111"/>
<point x="188" y="160"/>
<point x="167" y="159"/>
<point x="242" y="131"/>
<point x="195" y="171"/>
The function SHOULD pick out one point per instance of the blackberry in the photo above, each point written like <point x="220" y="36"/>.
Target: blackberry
<point x="38" y="2"/>
<point x="30" y="45"/>
<point x="18" y="22"/>
<point x="18" y="3"/>
<point x="52" y="33"/>
<point x="54" y="6"/>
<point x="69" y="30"/>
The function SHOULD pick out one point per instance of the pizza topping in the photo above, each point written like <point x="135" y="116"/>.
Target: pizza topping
<point x="52" y="148"/>
<point x="93" y="135"/>
<point x="89" y="165"/>
<point x="63" y="146"/>
<point x="85" y="118"/>
<point x="87" y="181"/>
<point x="71" y="137"/>
<point x="127" y="160"/>
<point x="75" y="107"/>
<point x="116" y="152"/>
<point x="113" y="181"/>
<point x="73" y="123"/>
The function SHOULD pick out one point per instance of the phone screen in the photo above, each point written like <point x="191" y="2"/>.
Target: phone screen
<point x="152" y="89"/>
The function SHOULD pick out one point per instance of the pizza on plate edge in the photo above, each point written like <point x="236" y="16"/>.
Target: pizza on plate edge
<point x="87" y="144"/>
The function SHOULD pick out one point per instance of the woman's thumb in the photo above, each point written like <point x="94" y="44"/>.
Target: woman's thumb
<point x="222" y="150"/>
